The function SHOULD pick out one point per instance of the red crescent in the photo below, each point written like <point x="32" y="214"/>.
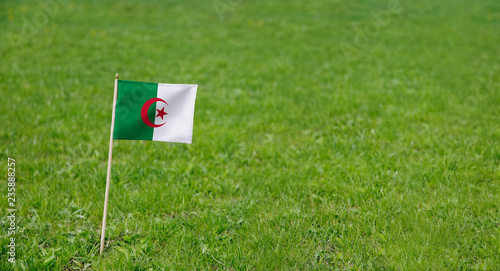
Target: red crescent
<point x="144" y="112"/>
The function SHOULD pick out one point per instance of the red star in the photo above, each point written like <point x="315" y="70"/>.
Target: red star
<point x="161" y="113"/>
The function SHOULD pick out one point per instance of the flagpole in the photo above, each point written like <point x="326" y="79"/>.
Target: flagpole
<point x="110" y="159"/>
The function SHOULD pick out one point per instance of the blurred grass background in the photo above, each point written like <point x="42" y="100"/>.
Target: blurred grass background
<point x="305" y="155"/>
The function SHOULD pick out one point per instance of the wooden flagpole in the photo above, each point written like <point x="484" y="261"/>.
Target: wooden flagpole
<point x="110" y="159"/>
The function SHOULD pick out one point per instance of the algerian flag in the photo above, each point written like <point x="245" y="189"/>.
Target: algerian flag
<point x="154" y="111"/>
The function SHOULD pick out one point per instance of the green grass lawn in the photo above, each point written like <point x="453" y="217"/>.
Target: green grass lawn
<point x="324" y="138"/>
